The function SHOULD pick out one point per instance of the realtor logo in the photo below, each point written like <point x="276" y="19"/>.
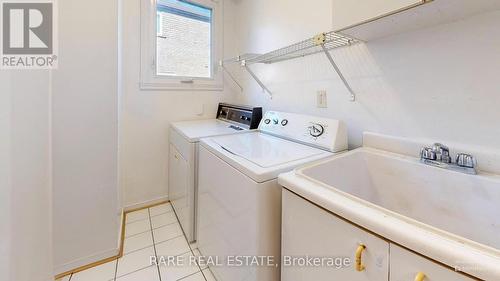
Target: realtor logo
<point x="28" y="37"/>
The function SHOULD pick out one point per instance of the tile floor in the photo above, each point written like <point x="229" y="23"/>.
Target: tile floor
<point x="150" y="232"/>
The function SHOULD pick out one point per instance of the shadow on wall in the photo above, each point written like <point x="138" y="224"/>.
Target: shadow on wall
<point x="435" y="83"/>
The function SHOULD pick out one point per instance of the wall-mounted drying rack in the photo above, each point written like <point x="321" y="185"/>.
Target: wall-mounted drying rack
<point x="323" y="42"/>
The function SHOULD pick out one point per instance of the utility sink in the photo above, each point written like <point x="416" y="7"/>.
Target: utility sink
<point x="447" y="216"/>
<point x="461" y="204"/>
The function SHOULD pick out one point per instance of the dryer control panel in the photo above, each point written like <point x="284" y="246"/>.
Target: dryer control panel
<point x="243" y="116"/>
<point x="325" y="133"/>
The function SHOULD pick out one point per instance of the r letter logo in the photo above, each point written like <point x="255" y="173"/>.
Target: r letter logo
<point x="28" y="37"/>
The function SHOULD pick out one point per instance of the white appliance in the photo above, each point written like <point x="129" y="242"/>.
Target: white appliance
<point x="183" y="156"/>
<point x="239" y="196"/>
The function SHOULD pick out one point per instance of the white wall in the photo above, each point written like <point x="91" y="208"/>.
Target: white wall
<point x="85" y="134"/>
<point x="25" y="219"/>
<point x="439" y="83"/>
<point x="5" y="177"/>
<point x="145" y="115"/>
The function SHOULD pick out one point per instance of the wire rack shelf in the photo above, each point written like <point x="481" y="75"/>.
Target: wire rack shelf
<point x="321" y="43"/>
<point x="330" y="41"/>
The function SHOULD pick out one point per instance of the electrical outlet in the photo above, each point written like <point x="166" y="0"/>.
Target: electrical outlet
<point x="321" y="99"/>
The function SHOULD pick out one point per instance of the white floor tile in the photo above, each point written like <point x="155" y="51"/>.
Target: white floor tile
<point x="184" y="266"/>
<point x="137" y="227"/>
<point x="137" y="216"/>
<point x="172" y="247"/>
<point x="102" y="272"/>
<point x="208" y="275"/>
<point x="160" y="209"/>
<point x="197" y="253"/>
<point x="167" y="232"/>
<point x="134" y="261"/>
<point x="137" y="242"/>
<point x="148" y="274"/>
<point x="163" y="219"/>
<point x="195" y="277"/>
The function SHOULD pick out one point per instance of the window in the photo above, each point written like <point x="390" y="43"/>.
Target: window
<point x="181" y="45"/>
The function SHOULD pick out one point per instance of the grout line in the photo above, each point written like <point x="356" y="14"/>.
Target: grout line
<point x="203" y="274"/>
<point x="149" y="216"/>
<point x="197" y="263"/>
<point x="127" y="223"/>
<point x="182" y="278"/>
<point x="137" y="234"/>
<point x="154" y="244"/>
<point x="149" y="246"/>
<point x="116" y="269"/>
<point x="137" y="220"/>
<point x="143" y="268"/>
<point x="176" y="221"/>
<point x="161" y="242"/>
<point x="137" y="250"/>
<point x="162" y="213"/>
<point x="151" y="228"/>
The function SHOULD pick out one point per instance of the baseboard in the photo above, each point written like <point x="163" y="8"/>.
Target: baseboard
<point x="145" y="204"/>
<point x="87" y="262"/>
<point x="110" y="255"/>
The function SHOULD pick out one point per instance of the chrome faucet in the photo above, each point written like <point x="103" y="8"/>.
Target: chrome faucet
<point x="439" y="156"/>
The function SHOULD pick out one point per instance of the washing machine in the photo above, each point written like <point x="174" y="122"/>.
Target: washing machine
<point x="183" y="156"/>
<point x="239" y="203"/>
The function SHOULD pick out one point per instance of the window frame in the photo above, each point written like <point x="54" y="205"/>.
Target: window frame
<point x="149" y="79"/>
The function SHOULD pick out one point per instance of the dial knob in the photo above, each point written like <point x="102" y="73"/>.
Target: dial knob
<point x="267" y="121"/>
<point x="316" y="130"/>
<point x="284" y="122"/>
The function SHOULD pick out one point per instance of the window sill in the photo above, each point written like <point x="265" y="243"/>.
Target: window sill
<point x="152" y="86"/>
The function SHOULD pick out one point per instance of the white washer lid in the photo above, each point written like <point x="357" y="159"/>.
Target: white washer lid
<point x="264" y="150"/>
<point x="260" y="156"/>
<point x="196" y="129"/>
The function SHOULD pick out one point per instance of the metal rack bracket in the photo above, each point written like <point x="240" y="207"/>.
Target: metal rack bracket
<point x="254" y="76"/>
<point x="320" y="40"/>
<point x="330" y="58"/>
<point x="223" y="67"/>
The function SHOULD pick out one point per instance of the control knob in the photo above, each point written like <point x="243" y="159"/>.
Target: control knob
<point x="316" y="130"/>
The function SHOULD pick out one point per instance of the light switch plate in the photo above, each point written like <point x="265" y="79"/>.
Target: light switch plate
<point x="321" y="99"/>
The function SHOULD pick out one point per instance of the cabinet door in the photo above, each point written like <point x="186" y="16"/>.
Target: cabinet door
<point x="308" y="230"/>
<point x="405" y="266"/>
<point x="351" y="12"/>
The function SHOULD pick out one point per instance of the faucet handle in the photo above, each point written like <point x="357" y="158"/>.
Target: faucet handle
<point x="442" y="152"/>
<point x="466" y="160"/>
<point x="427" y="153"/>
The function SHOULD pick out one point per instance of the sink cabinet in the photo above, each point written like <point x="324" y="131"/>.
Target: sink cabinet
<point x="348" y="13"/>
<point x="405" y="266"/>
<point x="311" y="231"/>
<point x="308" y="230"/>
